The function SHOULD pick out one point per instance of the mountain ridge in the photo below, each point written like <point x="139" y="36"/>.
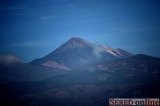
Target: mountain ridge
<point x="78" y="52"/>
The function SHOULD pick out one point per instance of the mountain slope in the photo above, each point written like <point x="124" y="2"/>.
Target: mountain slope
<point x="26" y="72"/>
<point x="68" y="77"/>
<point x="78" y="52"/>
<point x="136" y="76"/>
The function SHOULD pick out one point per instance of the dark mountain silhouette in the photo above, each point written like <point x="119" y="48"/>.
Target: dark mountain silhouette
<point x="62" y="79"/>
<point x="78" y="52"/>
<point x="26" y="72"/>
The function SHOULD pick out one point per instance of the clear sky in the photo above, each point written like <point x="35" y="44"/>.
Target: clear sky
<point x="33" y="28"/>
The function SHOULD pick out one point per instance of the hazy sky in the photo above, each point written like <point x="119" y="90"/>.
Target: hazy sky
<point x="33" y="28"/>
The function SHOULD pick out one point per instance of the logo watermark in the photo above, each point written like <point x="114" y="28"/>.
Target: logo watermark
<point x="134" y="102"/>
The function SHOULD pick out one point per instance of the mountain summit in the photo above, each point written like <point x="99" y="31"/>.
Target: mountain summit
<point x="74" y="43"/>
<point x="77" y="52"/>
<point x="78" y="42"/>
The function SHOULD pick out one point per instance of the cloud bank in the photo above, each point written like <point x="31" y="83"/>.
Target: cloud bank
<point x="9" y="59"/>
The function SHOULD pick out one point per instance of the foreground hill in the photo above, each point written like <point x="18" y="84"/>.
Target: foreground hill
<point x="135" y="76"/>
<point x="26" y="72"/>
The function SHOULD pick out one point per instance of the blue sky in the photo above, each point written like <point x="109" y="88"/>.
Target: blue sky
<point x="33" y="28"/>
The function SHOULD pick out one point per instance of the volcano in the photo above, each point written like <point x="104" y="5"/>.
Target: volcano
<point x="77" y="53"/>
<point x="78" y="73"/>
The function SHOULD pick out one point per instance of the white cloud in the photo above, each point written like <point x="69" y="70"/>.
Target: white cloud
<point x="49" y="17"/>
<point x="32" y="44"/>
<point x="8" y="59"/>
<point x="61" y="0"/>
